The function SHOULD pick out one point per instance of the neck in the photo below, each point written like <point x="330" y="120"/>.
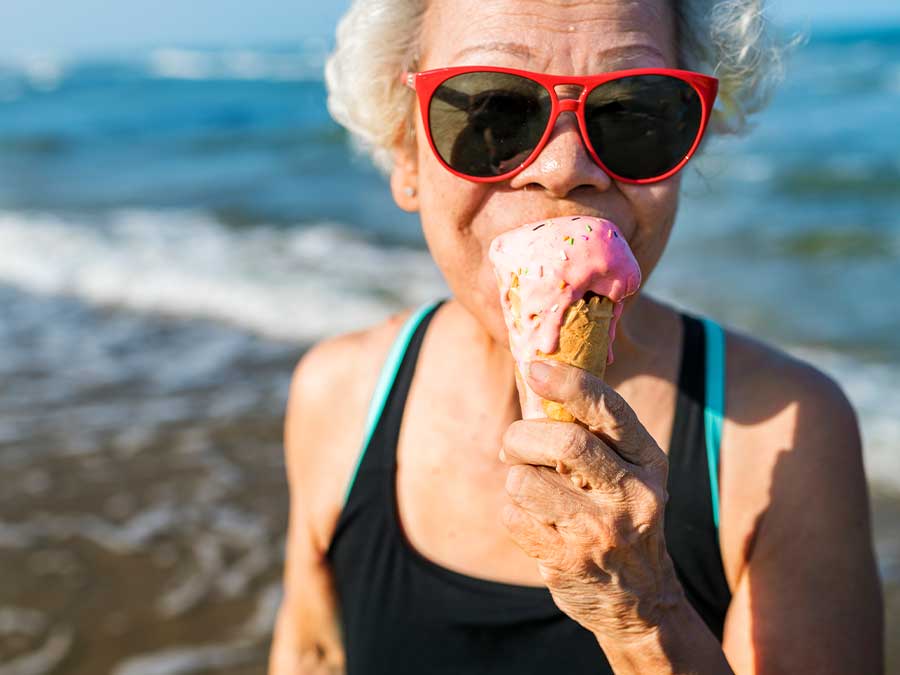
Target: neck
<point x="639" y="334"/>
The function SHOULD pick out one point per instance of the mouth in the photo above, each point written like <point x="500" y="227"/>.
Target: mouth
<point x="623" y="224"/>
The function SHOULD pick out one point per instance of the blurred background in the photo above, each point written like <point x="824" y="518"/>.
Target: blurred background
<point x="180" y="219"/>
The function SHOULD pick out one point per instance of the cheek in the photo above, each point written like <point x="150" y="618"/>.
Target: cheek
<point x="456" y="229"/>
<point x="448" y="210"/>
<point x="654" y="207"/>
<point x="462" y="258"/>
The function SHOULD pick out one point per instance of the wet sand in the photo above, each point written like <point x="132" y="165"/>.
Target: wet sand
<point x="143" y="507"/>
<point x="886" y="526"/>
<point x="144" y="504"/>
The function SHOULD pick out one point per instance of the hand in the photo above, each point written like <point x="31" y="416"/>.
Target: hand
<point x="588" y="503"/>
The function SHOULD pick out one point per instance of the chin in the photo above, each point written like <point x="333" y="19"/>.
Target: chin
<point x="491" y="319"/>
<point x="485" y="310"/>
<point x="498" y="331"/>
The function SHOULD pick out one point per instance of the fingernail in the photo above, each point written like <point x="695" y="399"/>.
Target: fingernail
<point x="502" y="455"/>
<point x="541" y="371"/>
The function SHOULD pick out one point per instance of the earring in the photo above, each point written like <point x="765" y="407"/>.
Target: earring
<point x="409" y="191"/>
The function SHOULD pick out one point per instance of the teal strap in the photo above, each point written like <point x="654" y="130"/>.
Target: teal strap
<point x="715" y="405"/>
<point x="386" y="381"/>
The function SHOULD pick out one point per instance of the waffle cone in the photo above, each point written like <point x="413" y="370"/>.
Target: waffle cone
<point x="583" y="342"/>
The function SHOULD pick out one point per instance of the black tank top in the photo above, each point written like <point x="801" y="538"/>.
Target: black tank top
<point x="403" y="613"/>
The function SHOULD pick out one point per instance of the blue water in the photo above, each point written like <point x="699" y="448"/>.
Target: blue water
<point x="263" y="149"/>
<point x="213" y="183"/>
<point x="176" y="225"/>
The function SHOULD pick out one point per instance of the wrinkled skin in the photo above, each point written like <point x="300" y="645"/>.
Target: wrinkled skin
<point x="586" y="501"/>
<point x="460" y="217"/>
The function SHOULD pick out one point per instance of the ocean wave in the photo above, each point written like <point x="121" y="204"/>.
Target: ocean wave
<point x="46" y="71"/>
<point x="864" y="50"/>
<point x="841" y="180"/>
<point x="848" y="243"/>
<point x="281" y="282"/>
<point x="303" y="283"/>
<point x="39" y="71"/>
<point x="239" y="64"/>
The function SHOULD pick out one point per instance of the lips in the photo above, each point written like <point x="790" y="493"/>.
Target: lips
<point x="624" y="224"/>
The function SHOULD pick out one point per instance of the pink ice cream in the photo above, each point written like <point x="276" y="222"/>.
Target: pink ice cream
<point x="557" y="261"/>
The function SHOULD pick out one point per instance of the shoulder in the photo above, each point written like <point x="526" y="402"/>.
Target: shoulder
<point x="795" y="529"/>
<point x="786" y="422"/>
<point x="331" y="367"/>
<point x="329" y="395"/>
<point x="772" y="391"/>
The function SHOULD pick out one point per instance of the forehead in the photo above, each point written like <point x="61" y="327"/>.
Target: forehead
<point x="553" y="36"/>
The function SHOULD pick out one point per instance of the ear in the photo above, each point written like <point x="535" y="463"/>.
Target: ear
<point x="405" y="180"/>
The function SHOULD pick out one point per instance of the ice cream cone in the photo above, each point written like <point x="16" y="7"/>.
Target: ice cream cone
<point x="562" y="284"/>
<point x="583" y="343"/>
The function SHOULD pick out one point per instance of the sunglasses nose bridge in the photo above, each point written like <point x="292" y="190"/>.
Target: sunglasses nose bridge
<point x="568" y="105"/>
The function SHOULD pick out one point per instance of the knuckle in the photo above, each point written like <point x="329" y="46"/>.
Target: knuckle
<point x="614" y="403"/>
<point x="550" y="574"/>
<point x="611" y="547"/>
<point x="620" y="479"/>
<point x="572" y="563"/>
<point x="577" y="445"/>
<point x="587" y="529"/>
<point x="607" y="558"/>
<point x="509" y="436"/>
<point x="509" y="516"/>
<point x="583" y="383"/>
<point x="649" y="508"/>
<point x="617" y="540"/>
<point x="516" y="478"/>
<point x="584" y="568"/>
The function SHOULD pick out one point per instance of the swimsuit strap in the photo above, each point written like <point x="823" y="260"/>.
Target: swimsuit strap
<point x="714" y="410"/>
<point x="713" y="413"/>
<point x="386" y="381"/>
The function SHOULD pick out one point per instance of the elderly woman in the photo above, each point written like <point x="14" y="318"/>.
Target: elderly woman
<point x="724" y="523"/>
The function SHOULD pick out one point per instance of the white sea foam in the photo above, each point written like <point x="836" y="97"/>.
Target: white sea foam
<point x="43" y="71"/>
<point x="237" y="64"/>
<point x="290" y="284"/>
<point x="190" y="659"/>
<point x="43" y="660"/>
<point x="283" y="283"/>
<point x="31" y="622"/>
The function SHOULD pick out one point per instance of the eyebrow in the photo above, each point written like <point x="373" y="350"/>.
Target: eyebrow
<point x="524" y="51"/>
<point x="507" y="47"/>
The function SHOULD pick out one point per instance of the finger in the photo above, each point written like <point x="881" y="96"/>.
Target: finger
<point x="532" y="536"/>
<point x="598" y="406"/>
<point x="568" y="448"/>
<point x="545" y="494"/>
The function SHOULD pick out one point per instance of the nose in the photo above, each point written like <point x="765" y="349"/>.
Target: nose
<point x="564" y="164"/>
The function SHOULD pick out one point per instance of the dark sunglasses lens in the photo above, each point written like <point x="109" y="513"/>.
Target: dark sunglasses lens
<point x="643" y="126"/>
<point x="485" y="124"/>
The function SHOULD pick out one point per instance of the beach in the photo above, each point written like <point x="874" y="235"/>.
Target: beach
<point x="170" y="249"/>
<point x="143" y="527"/>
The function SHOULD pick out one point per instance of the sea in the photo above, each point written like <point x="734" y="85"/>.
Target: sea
<point x="179" y="223"/>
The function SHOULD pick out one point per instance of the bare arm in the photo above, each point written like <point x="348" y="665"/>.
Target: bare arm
<point x="809" y="599"/>
<point x="307" y="638"/>
<point x="337" y="376"/>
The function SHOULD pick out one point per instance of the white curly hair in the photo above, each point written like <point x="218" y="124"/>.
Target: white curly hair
<point x="378" y="39"/>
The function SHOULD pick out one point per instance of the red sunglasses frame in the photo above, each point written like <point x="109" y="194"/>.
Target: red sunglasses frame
<point x="426" y="82"/>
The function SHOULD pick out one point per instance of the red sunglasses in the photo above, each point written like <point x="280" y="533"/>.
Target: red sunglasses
<point x="487" y="123"/>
